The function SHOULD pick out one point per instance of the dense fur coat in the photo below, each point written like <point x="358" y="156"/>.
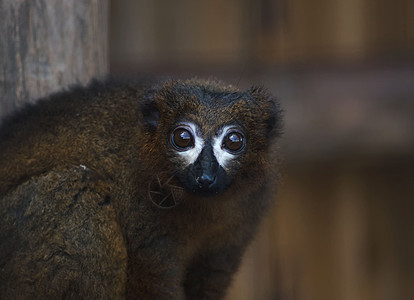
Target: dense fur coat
<point x="77" y="170"/>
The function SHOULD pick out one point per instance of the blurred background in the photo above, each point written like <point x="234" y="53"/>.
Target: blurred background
<point x="343" y="223"/>
<point x="342" y="226"/>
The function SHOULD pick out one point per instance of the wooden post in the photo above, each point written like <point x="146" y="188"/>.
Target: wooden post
<point x="47" y="45"/>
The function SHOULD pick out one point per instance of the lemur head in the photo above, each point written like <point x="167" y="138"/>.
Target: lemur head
<point x="213" y="134"/>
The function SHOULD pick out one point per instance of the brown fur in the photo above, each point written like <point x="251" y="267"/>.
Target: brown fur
<point x="76" y="219"/>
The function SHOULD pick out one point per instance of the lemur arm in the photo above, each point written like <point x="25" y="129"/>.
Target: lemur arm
<point x="210" y="274"/>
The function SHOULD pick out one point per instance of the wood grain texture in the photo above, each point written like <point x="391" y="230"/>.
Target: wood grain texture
<point x="46" y="45"/>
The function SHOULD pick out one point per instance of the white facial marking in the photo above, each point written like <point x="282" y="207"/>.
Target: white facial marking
<point x="223" y="157"/>
<point x="190" y="155"/>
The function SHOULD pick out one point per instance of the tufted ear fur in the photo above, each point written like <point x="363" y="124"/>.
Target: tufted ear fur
<point x="270" y="109"/>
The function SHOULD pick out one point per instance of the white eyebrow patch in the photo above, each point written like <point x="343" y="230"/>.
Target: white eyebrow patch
<point x="191" y="155"/>
<point x="223" y="157"/>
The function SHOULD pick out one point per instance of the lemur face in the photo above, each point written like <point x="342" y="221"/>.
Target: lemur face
<point x="213" y="134"/>
<point x="207" y="157"/>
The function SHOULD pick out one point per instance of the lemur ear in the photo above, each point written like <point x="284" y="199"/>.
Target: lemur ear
<point x="270" y="110"/>
<point x="150" y="112"/>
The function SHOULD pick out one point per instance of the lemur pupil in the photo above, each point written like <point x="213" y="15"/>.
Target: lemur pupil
<point x="234" y="141"/>
<point x="182" y="138"/>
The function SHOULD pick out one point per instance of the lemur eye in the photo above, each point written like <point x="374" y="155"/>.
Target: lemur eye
<point x="182" y="139"/>
<point x="233" y="142"/>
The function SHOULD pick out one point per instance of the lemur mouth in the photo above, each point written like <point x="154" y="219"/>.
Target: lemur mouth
<point x="165" y="191"/>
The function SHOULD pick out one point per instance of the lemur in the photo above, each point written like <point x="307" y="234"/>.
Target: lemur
<point x="134" y="189"/>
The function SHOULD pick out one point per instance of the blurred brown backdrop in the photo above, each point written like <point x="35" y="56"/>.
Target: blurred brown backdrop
<point x="343" y="223"/>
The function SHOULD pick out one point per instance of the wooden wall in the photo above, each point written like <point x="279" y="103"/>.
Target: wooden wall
<point x="249" y="32"/>
<point x="48" y="45"/>
<point x="339" y="230"/>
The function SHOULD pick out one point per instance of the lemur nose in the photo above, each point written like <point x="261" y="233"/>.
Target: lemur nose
<point x="206" y="181"/>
